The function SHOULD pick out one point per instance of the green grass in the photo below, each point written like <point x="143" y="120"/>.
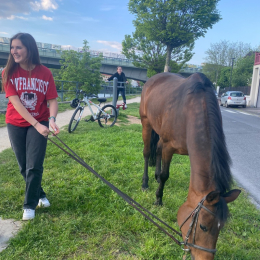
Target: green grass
<point x="87" y="220"/>
<point x="2" y="120"/>
<point x="66" y="106"/>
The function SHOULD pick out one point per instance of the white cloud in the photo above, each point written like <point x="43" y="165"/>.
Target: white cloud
<point x="12" y="17"/>
<point x="12" y="7"/>
<point x="89" y="19"/>
<point x="44" y="17"/>
<point x="114" y="45"/>
<point x="44" y="5"/>
<point x="4" y="33"/>
<point x="107" y="8"/>
<point x="9" y="9"/>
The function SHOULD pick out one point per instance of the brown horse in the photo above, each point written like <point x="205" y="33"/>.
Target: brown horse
<point x="182" y="116"/>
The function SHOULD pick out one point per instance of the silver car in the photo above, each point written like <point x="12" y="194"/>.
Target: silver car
<point x="233" y="98"/>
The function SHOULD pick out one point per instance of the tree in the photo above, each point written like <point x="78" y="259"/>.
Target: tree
<point x="173" y="23"/>
<point x="220" y="55"/>
<point x="224" y="77"/>
<point x="79" y="66"/>
<point x="242" y="74"/>
<point x="151" y="55"/>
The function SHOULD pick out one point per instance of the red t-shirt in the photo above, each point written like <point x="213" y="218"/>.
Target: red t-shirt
<point x="33" y="91"/>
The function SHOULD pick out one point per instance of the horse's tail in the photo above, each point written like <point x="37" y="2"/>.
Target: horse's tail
<point x="220" y="158"/>
<point x="153" y="148"/>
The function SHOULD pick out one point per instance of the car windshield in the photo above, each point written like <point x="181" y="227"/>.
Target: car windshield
<point x="236" y="94"/>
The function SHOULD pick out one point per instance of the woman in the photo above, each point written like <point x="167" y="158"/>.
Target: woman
<point x="120" y="75"/>
<point x="28" y="86"/>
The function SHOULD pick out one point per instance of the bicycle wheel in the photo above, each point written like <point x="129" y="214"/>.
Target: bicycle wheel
<point x="107" y="116"/>
<point x="74" y="121"/>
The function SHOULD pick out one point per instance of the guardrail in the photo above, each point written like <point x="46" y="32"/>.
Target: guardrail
<point x="52" y="53"/>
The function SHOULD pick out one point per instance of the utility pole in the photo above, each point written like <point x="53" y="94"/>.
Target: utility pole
<point x="231" y="73"/>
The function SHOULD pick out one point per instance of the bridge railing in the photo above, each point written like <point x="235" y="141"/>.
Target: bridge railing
<point x="45" y="52"/>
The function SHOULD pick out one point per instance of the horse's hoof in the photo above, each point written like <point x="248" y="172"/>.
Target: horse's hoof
<point x="158" y="203"/>
<point x="145" y="188"/>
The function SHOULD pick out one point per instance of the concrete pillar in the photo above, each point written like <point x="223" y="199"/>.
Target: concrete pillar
<point x="255" y="86"/>
<point x="115" y="80"/>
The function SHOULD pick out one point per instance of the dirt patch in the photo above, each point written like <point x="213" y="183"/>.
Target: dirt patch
<point x="134" y="120"/>
<point x="131" y="120"/>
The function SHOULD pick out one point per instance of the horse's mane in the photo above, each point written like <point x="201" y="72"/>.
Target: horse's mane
<point x="220" y="159"/>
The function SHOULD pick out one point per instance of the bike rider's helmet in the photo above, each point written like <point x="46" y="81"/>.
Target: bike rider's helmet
<point x="74" y="102"/>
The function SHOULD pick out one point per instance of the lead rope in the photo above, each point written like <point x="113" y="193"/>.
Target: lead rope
<point x="128" y="199"/>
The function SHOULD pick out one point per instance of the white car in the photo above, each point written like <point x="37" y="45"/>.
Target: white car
<point x="233" y="98"/>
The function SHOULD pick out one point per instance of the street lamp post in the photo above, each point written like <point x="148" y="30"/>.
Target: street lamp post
<point x="231" y="73"/>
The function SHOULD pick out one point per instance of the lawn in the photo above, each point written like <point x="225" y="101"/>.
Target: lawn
<point x="87" y="220"/>
<point x="66" y="106"/>
<point x="2" y="120"/>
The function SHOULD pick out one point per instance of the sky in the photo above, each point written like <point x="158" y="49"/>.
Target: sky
<point x="104" y="23"/>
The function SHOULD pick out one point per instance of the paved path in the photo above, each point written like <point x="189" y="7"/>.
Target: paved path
<point x="63" y="119"/>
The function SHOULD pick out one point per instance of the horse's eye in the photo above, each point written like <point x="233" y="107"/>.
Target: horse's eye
<point x="203" y="228"/>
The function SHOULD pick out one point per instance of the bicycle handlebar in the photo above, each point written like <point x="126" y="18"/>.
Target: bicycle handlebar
<point x="85" y="94"/>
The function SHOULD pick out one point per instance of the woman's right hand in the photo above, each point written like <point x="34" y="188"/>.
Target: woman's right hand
<point x="42" y="129"/>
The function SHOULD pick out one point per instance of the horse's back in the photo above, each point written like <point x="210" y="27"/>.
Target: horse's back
<point x="160" y="90"/>
<point x="173" y="106"/>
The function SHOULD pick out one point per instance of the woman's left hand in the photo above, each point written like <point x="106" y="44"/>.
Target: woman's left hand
<point x="54" y="127"/>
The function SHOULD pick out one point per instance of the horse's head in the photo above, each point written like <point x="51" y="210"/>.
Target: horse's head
<point x="200" y="227"/>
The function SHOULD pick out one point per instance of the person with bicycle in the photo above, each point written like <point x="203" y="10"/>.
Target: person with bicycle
<point x="29" y="86"/>
<point x="120" y="75"/>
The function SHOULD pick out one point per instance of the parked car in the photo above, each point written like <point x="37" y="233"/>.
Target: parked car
<point x="233" y="98"/>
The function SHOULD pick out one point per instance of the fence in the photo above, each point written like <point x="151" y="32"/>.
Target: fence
<point x="67" y="91"/>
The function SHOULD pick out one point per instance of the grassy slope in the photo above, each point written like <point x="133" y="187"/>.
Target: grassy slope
<point x="89" y="221"/>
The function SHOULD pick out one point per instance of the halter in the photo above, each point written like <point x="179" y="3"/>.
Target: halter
<point x="195" y="215"/>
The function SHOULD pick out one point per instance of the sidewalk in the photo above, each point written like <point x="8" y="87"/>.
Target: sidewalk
<point x="252" y="110"/>
<point x="9" y="227"/>
<point x="63" y="119"/>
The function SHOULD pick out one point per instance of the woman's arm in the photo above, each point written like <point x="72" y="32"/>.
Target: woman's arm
<point x="42" y="129"/>
<point x="112" y="77"/>
<point x="53" y="106"/>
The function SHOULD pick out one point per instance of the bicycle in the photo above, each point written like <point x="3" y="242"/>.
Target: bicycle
<point x="106" y="116"/>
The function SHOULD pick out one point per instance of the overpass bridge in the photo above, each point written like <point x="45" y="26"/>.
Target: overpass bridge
<point x="51" y="57"/>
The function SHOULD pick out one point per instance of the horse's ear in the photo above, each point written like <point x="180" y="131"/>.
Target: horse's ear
<point x="231" y="195"/>
<point x="213" y="197"/>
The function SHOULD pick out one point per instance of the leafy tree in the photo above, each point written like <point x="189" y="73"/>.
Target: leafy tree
<point x="224" y="77"/>
<point x="79" y="66"/>
<point x="173" y="23"/>
<point x="220" y="55"/>
<point x="152" y="55"/>
<point x="212" y="71"/>
<point x="243" y="71"/>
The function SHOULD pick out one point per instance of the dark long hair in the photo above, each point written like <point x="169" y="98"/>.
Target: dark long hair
<point x="33" y="57"/>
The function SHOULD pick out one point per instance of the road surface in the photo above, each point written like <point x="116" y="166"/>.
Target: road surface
<point x="242" y="132"/>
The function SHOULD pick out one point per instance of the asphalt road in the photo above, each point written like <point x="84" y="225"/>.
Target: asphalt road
<point x="242" y="132"/>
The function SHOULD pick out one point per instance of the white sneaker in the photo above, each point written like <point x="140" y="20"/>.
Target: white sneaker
<point x="28" y="214"/>
<point x="44" y="203"/>
<point x="125" y="106"/>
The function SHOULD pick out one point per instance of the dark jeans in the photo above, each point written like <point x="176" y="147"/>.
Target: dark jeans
<point x="122" y="90"/>
<point x="29" y="147"/>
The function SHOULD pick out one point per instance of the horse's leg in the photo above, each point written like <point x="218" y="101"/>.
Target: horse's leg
<point x="146" y="133"/>
<point x="158" y="160"/>
<point x="167" y="153"/>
